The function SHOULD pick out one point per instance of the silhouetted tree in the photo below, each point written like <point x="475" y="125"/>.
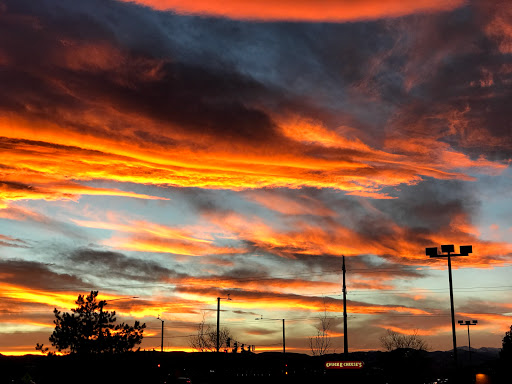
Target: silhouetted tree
<point x="206" y="338"/>
<point x="90" y="330"/>
<point x="394" y="340"/>
<point x="43" y="349"/>
<point x="407" y="360"/>
<point x="321" y="343"/>
<point x="506" y="350"/>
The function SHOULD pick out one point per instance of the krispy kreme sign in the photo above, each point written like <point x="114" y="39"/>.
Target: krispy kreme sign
<point x="344" y="364"/>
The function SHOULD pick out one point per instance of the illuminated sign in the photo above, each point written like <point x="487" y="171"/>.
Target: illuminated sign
<point x="344" y="364"/>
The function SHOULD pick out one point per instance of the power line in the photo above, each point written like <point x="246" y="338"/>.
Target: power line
<point x="320" y="273"/>
<point x="427" y="291"/>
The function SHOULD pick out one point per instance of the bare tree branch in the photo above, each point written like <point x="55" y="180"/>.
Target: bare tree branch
<point x="394" y="340"/>
<point x="321" y="343"/>
<point x="206" y="338"/>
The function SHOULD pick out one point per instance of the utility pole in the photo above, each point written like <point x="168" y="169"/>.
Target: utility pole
<point x="465" y="250"/>
<point x="284" y="340"/>
<point x="218" y="319"/>
<point x="345" y="339"/>
<point x="284" y="334"/>
<point x="162" y="343"/>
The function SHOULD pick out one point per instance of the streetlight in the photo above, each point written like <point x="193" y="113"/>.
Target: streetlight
<point x="218" y="318"/>
<point x="162" y="344"/>
<point x="468" y="323"/>
<point x="284" y="335"/>
<point x="465" y="250"/>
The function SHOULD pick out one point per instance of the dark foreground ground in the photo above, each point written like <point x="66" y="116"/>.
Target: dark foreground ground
<point x="402" y="366"/>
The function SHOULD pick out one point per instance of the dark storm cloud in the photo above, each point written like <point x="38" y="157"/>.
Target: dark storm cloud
<point x="196" y="98"/>
<point x="426" y="207"/>
<point x="35" y="275"/>
<point x="212" y="84"/>
<point x="459" y="81"/>
<point x="118" y="265"/>
<point x="213" y="75"/>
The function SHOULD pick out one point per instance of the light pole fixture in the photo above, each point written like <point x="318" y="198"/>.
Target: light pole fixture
<point x="465" y="250"/>
<point x="162" y="343"/>
<point x="468" y="323"/>
<point x="218" y="319"/>
<point x="284" y="334"/>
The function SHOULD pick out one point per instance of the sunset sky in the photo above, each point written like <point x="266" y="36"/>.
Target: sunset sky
<point x="181" y="150"/>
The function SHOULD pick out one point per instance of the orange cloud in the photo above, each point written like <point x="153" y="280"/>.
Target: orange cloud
<point x="43" y="161"/>
<point x="60" y="191"/>
<point x="152" y="237"/>
<point x="303" y="205"/>
<point x="319" y="10"/>
<point x="252" y="300"/>
<point x="499" y="28"/>
<point x="495" y="322"/>
<point x="399" y="243"/>
<point x="160" y="245"/>
<point x="27" y="295"/>
<point x="267" y="284"/>
<point x="122" y="224"/>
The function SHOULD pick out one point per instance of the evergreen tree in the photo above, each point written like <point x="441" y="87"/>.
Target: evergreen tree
<point x="506" y="350"/>
<point x="91" y="330"/>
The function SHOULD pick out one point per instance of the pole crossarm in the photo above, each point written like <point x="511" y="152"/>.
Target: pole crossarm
<point x="465" y="250"/>
<point x="468" y="322"/>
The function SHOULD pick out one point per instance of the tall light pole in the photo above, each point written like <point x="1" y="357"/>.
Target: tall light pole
<point x="465" y="250"/>
<point x="284" y="334"/>
<point x="468" y="323"/>
<point x="162" y="343"/>
<point x="218" y="319"/>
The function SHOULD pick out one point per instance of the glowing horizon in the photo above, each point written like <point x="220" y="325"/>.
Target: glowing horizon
<point x="244" y="148"/>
